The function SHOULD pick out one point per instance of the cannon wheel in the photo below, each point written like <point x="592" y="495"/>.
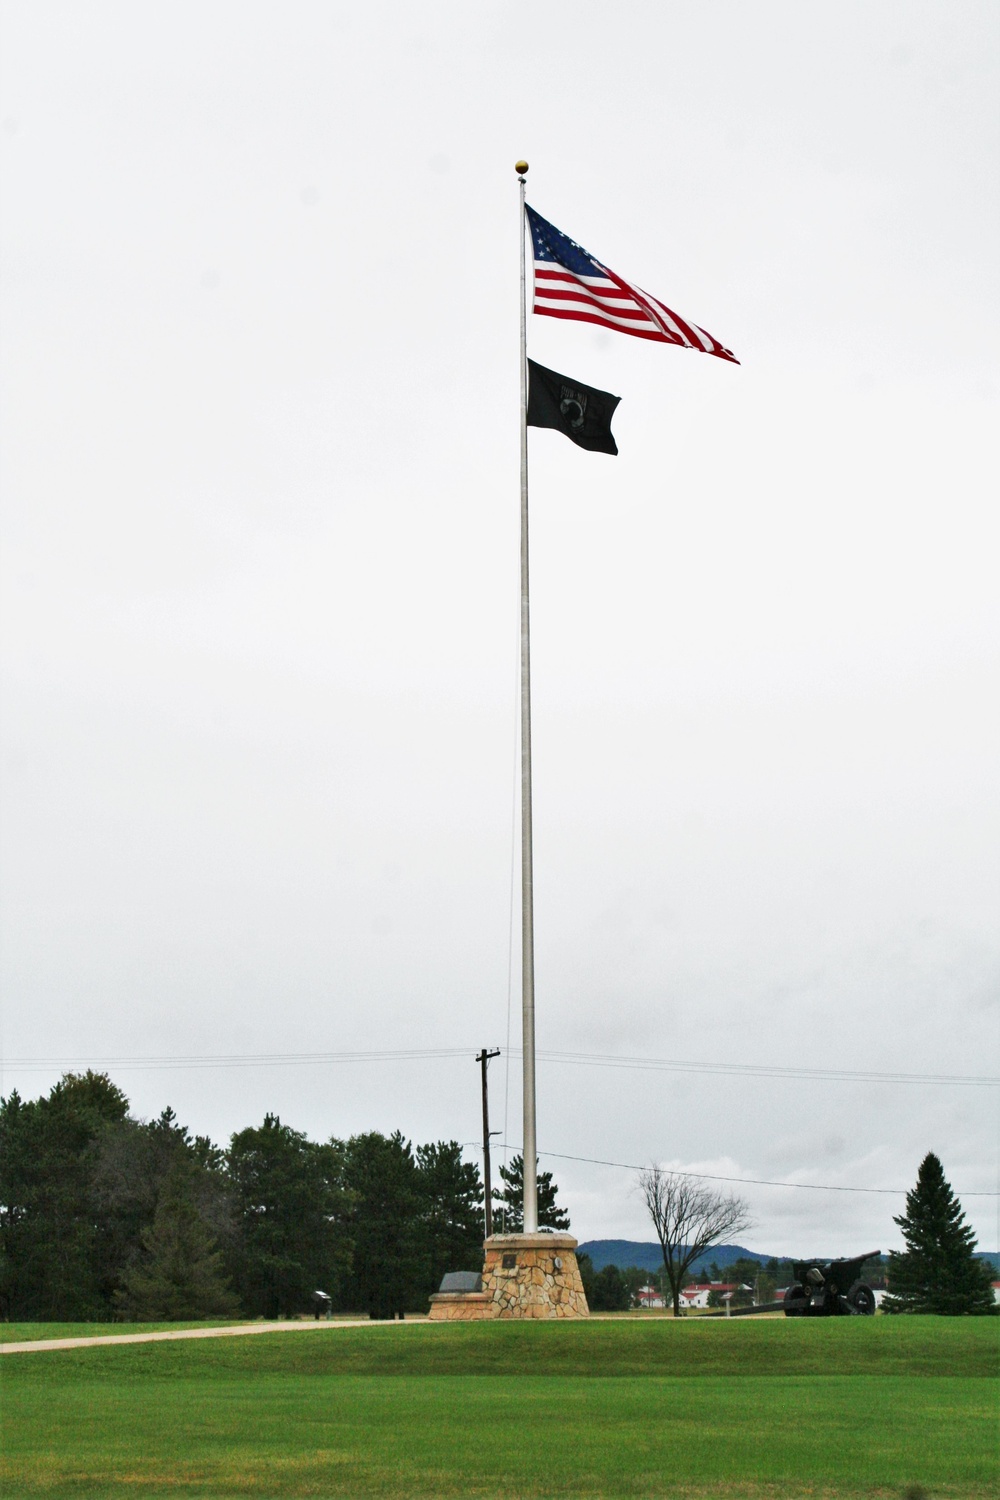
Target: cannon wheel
<point x="795" y="1291"/>
<point x="862" y="1298"/>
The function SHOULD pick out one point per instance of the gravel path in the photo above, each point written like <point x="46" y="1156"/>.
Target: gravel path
<point x="39" y="1345"/>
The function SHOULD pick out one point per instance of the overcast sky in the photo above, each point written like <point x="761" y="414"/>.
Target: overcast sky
<point x="260" y="579"/>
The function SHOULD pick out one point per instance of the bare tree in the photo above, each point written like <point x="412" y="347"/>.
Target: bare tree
<point x="689" y="1217"/>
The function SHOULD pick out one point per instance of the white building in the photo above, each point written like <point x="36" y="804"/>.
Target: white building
<point x="698" y="1295"/>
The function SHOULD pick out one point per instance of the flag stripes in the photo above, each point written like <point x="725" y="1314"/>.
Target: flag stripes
<point x="571" y="283"/>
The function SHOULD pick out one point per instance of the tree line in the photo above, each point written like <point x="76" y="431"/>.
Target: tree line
<point x="105" y="1216"/>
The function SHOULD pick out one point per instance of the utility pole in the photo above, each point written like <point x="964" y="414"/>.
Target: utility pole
<point x="484" y="1058"/>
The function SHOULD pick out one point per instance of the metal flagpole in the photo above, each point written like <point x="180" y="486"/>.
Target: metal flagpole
<point x="527" y="899"/>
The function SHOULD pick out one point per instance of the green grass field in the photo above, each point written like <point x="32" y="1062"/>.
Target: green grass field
<point x="852" y="1407"/>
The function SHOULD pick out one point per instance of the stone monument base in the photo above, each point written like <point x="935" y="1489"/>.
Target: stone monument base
<point x="534" y="1276"/>
<point x="464" y="1307"/>
<point x="525" y="1276"/>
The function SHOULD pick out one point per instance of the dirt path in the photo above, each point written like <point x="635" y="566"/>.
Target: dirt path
<point x="38" y="1345"/>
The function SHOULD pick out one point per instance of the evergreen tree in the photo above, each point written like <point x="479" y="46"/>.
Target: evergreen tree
<point x="131" y="1163"/>
<point x="610" y="1292"/>
<point x="587" y="1275"/>
<point x="180" y="1273"/>
<point x="49" y="1224"/>
<point x="937" y="1272"/>
<point x="451" y="1212"/>
<point x="389" y="1275"/>
<point x="511" y="1201"/>
<point x="291" y="1213"/>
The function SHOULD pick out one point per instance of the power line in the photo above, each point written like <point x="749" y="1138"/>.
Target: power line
<point x="764" y="1070"/>
<point x="576" y="1059"/>
<point x="816" y="1187"/>
<point x="239" y="1059"/>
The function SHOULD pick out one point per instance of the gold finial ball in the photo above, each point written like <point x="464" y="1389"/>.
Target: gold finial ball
<point x="520" y="167"/>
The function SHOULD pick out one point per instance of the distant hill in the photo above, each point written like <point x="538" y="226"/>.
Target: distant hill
<point x="647" y="1256"/>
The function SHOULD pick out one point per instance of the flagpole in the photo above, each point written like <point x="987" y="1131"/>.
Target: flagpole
<point x="530" y="1150"/>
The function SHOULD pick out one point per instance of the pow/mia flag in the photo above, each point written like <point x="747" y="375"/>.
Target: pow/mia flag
<point x="579" y="411"/>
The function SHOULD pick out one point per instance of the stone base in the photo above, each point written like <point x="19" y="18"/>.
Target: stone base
<point x="525" y="1276"/>
<point x="534" y="1276"/>
<point x="468" y="1307"/>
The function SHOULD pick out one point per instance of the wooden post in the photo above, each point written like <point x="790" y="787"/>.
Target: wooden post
<point x="484" y="1058"/>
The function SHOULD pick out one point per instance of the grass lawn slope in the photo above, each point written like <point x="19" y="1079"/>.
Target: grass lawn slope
<point x="852" y="1407"/>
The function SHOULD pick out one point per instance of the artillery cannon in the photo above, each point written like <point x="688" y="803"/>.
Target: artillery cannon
<point x="830" y="1290"/>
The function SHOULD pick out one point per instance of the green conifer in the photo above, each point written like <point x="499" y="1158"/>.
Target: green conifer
<point x="508" y="1217"/>
<point x="937" y="1272"/>
<point x="179" y="1274"/>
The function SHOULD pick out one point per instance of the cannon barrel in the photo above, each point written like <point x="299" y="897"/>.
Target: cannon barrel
<point x="801" y="1268"/>
<point x="851" y="1264"/>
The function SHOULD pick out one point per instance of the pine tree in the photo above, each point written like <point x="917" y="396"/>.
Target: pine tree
<point x="610" y="1291"/>
<point x="291" y="1210"/>
<point x="937" y="1272"/>
<point x="387" y="1276"/>
<point x="180" y="1273"/>
<point x="450" y="1213"/>
<point x="49" y="1223"/>
<point x="510" y="1218"/>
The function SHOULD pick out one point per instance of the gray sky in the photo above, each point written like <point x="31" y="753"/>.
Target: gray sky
<point x="260" y="469"/>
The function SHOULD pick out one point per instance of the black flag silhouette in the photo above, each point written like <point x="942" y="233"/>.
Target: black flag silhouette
<point x="579" y="411"/>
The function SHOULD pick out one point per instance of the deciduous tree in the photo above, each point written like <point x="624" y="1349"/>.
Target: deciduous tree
<point x="689" y="1217"/>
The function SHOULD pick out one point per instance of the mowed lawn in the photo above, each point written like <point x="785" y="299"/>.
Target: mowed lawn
<point x="852" y="1407"/>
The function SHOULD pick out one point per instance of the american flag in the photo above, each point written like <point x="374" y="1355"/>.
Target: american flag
<point x="572" y="283"/>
